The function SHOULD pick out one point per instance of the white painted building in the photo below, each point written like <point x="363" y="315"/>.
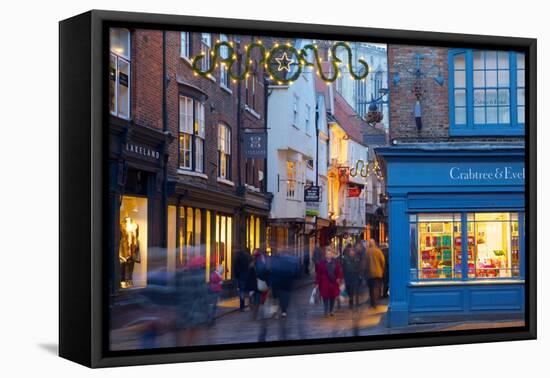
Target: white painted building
<point x="291" y="158"/>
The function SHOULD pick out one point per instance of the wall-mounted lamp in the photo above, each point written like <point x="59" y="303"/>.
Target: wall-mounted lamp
<point x="418" y="73"/>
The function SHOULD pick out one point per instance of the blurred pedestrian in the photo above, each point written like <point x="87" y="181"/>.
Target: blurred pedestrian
<point x="214" y="291"/>
<point x="243" y="262"/>
<point x="328" y="279"/>
<point x="306" y="262"/>
<point x="317" y="256"/>
<point x="375" y="270"/>
<point x="352" y="271"/>
<point x="386" y="280"/>
<point x="284" y="269"/>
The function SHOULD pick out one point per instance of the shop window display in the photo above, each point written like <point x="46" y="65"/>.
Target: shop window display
<point x="439" y="246"/>
<point x="132" y="251"/>
<point x="493" y="245"/>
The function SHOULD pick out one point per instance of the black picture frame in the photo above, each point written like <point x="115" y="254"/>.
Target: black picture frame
<point x="83" y="176"/>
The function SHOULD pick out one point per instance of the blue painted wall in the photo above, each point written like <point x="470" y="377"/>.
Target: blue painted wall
<point x="450" y="179"/>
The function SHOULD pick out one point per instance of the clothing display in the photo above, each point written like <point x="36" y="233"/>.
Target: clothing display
<point x="128" y="251"/>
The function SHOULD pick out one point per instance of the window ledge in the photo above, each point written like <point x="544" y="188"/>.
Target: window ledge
<point x="252" y="188"/>
<point x="225" y="88"/>
<point x="187" y="60"/>
<point x="500" y="281"/>
<point x="252" y="111"/>
<point x="191" y="173"/>
<point x="489" y="131"/>
<point x="225" y="181"/>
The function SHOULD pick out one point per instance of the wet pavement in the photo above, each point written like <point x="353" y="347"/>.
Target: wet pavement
<point x="303" y="321"/>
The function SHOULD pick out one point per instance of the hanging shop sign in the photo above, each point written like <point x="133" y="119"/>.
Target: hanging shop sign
<point x="255" y="145"/>
<point x="312" y="193"/>
<point x="354" y="192"/>
<point x="312" y="209"/>
<point x="343" y="174"/>
<point x="283" y="62"/>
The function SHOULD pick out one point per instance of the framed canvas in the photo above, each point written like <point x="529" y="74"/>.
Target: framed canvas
<point x="235" y="188"/>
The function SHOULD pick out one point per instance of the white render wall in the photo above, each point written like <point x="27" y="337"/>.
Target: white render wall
<point x="289" y="141"/>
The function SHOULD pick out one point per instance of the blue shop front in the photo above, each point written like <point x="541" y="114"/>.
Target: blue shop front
<point x="456" y="232"/>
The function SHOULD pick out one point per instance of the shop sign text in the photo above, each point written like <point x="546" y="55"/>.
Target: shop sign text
<point x="498" y="173"/>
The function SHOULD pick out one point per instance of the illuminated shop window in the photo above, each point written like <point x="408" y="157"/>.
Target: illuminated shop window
<point x="132" y="249"/>
<point x="437" y="244"/>
<point x="493" y="245"/>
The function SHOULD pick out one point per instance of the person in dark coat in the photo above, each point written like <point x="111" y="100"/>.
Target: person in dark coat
<point x="284" y="269"/>
<point x="352" y="272"/>
<point x="317" y="256"/>
<point x="243" y="262"/>
<point x="328" y="279"/>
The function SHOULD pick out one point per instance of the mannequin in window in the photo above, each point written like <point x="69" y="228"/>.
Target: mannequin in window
<point x="128" y="252"/>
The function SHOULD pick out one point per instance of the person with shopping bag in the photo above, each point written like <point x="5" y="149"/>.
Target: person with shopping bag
<point x="328" y="279"/>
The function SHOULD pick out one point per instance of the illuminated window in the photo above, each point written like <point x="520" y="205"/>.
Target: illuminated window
<point x="224" y="151"/>
<point x="436" y="246"/>
<point x="224" y="54"/>
<point x="191" y="136"/>
<point x="291" y="179"/>
<point x="493" y="245"/>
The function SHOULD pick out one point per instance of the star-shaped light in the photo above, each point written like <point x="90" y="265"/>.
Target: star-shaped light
<point x="284" y="62"/>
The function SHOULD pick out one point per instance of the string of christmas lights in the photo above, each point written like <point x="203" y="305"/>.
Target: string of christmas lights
<point x="363" y="170"/>
<point x="278" y="60"/>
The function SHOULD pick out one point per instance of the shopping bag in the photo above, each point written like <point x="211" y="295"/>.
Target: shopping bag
<point x="268" y="309"/>
<point x="262" y="285"/>
<point x="314" y="297"/>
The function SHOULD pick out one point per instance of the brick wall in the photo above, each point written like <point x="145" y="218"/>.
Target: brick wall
<point x="434" y="101"/>
<point x="146" y="78"/>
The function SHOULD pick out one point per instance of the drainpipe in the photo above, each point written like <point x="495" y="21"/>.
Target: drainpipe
<point x="164" y="199"/>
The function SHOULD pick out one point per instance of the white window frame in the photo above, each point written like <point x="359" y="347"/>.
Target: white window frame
<point x="124" y="58"/>
<point x="185" y="45"/>
<point x="295" y="110"/>
<point x="224" y="151"/>
<point x="186" y="127"/>
<point x="308" y="119"/>
<point x="224" y="53"/>
<point x="206" y="47"/>
<point x="291" y="179"/>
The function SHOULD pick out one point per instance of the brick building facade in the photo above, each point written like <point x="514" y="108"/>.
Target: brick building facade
<point x="178" y="172"/>
<point x="455" y="173"/>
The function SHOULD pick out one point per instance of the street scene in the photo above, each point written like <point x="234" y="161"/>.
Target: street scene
<point x="269" y="189"/>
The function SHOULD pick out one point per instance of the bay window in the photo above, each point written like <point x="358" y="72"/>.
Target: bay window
<point x="486" y="92"/>
<point x="119" y="72"/>
<point x="191" y="134"/>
